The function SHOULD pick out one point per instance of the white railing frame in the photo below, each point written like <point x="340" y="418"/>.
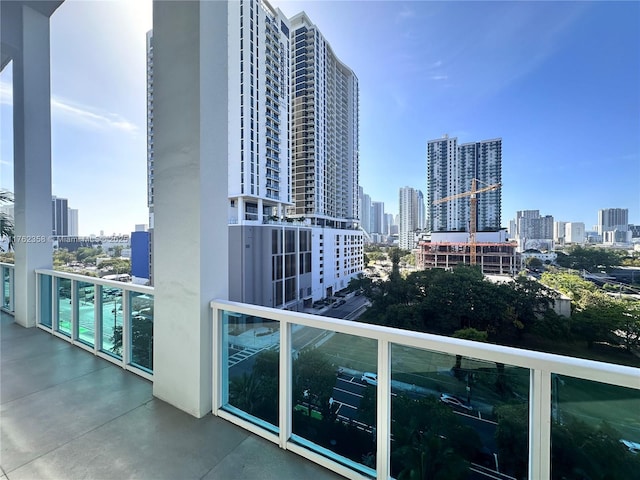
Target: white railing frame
<point x="541" y="366"/>
<point x="99" y="284"/>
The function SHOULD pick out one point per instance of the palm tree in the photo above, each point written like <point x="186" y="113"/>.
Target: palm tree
<point x="6" y="222"/>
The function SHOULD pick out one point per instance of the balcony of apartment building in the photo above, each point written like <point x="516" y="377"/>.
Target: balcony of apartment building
<point x="102" y="379"/>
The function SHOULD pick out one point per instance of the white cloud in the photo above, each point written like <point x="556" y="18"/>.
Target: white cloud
<point x="440" y="77"/>
<point x="81" y="115"/>
<point x="405" y="14"/>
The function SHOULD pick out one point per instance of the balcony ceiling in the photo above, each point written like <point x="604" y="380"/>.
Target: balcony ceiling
<point x="10" y="15"/>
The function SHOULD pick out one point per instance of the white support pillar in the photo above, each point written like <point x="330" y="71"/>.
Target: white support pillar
<point x="241" y="214"/>
<point x="191" y="230"/>
<point x="32" y="160"/>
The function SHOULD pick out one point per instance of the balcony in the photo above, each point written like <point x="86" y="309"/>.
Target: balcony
<point x="347" y="395"/>
<point x="69" y="414"/>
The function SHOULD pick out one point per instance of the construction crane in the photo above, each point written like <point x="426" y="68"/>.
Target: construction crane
<point x="473" y="228"/>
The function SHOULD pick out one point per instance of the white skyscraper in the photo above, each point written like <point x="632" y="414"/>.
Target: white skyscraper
<point x="410" y="211"/>
<point x="450" y="170"/>
<point x="293" y="160"/>
<point x="574" y="232"/>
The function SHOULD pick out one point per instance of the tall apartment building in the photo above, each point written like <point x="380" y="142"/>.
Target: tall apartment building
<point x="574" y="232"/>
<point x="364" y="205"/>
<point x="411" y="205"/>
<point x="533" y="230"/>
<point x="325" y="156"/>
<point x="60" y="216"/>
<point x="73" y="222"/>
<point x="559" y="228"/>
<point x="450" y="170"/>
<point x="293" y="160"/>
<point x="611" y="219"/>
<point x="377" y="217"/>
<point x="150" y="172"/>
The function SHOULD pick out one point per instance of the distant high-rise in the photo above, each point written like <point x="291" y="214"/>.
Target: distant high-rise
<point x="574" y="232"/>
<point x="60" y="212"/>
<point x="377" y="217"/>
<point x="410" y="211"/>
<point x="450" y="171"/>
<point x="611" y="219"/>
<point x="533" y="230"/>
<point x="365" y="211"/>
<point x="73" y="222"/>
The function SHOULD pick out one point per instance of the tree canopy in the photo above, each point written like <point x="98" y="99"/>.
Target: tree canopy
<point x="443" y="302"/>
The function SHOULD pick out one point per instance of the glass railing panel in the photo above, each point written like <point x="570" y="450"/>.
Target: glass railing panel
<point x="334" y="378"/>
<point x="141" y="335"/>
<point x="46" y="310"/>
<point x="63" y="292"/>
<point x="112" y="320"/>
<point x="6" y="288"/>
<point x="454" y="416"/>
<point x="595" y="430"/>
<point x="86" y="293"/>
<point x="250" y="369"/>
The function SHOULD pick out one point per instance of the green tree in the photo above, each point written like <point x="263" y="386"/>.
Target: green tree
<point x="430" y="442"/>
<point x="512" y="438"/>
<point x="629" y="327"/>
<point x="597" y="316"/>
<point x="6" y="222"/>
<point x="115" y="266"/>
<point x="534" y="262"/>
<point x="589" y="258"/>
<point x="313" y="380"/>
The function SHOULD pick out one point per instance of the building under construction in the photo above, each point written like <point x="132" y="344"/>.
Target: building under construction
<point x="494" y="254"/>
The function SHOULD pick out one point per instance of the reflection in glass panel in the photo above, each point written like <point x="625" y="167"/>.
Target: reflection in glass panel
<point x="595" y="430"/>
<point x="334" y="395"/>
<point x="141" y="330"/>
<point x="451" y="413"/>
<point x="46" y="314"/>
<point x="252" y="359"/>
<point x="111" y="325"/>
<point x="6" y="288"/>
<point x="64" y="305"/>
<point x="86" y="313"/>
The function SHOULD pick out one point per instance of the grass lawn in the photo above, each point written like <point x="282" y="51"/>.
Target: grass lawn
<point x="593" y="403"/>
<point x="588" y="401"/>
<point x="600" y="352"/>
<point x="424" y="368"/>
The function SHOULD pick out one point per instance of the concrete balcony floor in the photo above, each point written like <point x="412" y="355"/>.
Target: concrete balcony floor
<point x="66" y="414"/>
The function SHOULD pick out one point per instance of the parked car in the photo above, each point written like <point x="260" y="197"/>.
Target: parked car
<point x="370" y="378"/>
<point x="633" y="447"/>
<point x="454" y="401"/>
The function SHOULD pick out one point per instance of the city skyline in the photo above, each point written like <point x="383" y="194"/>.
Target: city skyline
<point x="542" y="81"/>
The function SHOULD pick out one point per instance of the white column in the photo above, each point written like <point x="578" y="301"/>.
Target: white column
<point x="241" y="214"/>
<point x="32" y="161"/>
<point x="191" y="232"/>
<point x="260" y="209"/>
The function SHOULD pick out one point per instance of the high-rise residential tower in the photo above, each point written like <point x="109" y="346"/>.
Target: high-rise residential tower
<point x="292" y="161"/>
<point x="324" y="162"/>
<point x="60" y="216"/>
<point x="410" y="216"/>
<point x="325" y="130"/>
<point x="611" y="219"/>
<point x="450" y="170"/>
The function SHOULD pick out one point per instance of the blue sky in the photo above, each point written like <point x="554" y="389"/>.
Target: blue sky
<point x="558" y="81"/>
